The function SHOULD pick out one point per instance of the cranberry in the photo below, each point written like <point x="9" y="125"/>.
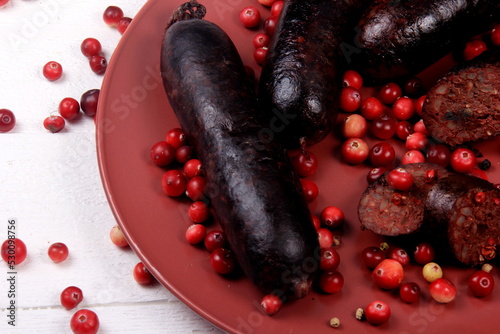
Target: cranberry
<point x="382" y="154"/>
<point x="192" y="168"/>
<point x="250" y="17"/>
<point x="354" y="126"/>
<point x="112" y="15"/>
<point x="332" y="217"/>
<point x="354" y="151"/>
<point x="413" y="86"/>
<point x="198" y="212"/>
<point x="478" y="173"/>
<point x="90" y="47"/>
<point x="141" y="274"/>
<point x="350" y="99"/>
<point x="424" y="253"/>
<point x="372" y="256"/>
<point x="389" y="93"/>
<point x="442" y="290"/>
<point x="271" y="303"/>
<point x="432" y="271"/>
<point x="463" y="160"/>
<point x="388" y="274"/>
<point x="176" y="138"/>
<point x="316" y="222"/>
<point x="400" y="179"/>
<point x="52" y="71"/>
<point x="305" y="163"/>
<point x="481" y="283"/>
<point x="7" y="120"/>
<point x="195" y="188"/>
<point x="383" y="127"/>
<point x="416" y="141"/>
<point x="403" y="130"/>
<point x="331" y="281"/>
<point x="89" y="100"/>
<point x="174" y="183"/>
<point x="410" y="292"/>
<point x="374" y="174"/>
<point x="403" y="108"/>
<point x="260" y="55"/>
<point x="261" y="40"/>
<point x="474" y="48"/>
<point x="495" y="35"/>
<point x="3" y="2"/>
<point x="162" y="153"/>
<point x="184" y="154"/>
<point x="419" y="104"/>
<point x="71" y="297"/>
<point x="58" y="252"/>
<point x="270" y="25"/>
<point x="276" y="8"/>
<point x="420" y="127"/>
<point x="399" y="255"/>
<point x="215" y="239"/>
<point x="222" y="261"/>
<point x="439" y="154"/>
<point x="412" y="157"/>
<point x="329" y="259"/>
<point x="54" y="123"/>
<point x="117" y="237"/>
<point x="325" y="237"/>
<point x="353" y="79"/>
<point x="196" y="233"/>
<point x="123" y="24"/>
<point x="371" y="108"/>
<point x="13" y="251"/>
<point x="310" y="189"/>
<point x="69" y="108"/>
<point x="84" y="321"/>
<point x="377" y="312"/>
<point x="98" y="64"/>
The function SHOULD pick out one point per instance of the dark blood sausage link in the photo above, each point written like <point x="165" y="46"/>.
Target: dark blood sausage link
<point x="254" y="192"/>
<point x="301" y="77"/>
<point x="464" y="106"/>
<point x="467" y="209"/>
<point x="398" y="38"/>
<point x="386" y="211"/>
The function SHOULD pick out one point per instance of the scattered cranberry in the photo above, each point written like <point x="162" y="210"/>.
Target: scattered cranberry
<point x="89" y="100"/>
<point x="354" y="126"/>
<point x="54" y="123"/>
<point x="439" y="154"/>
<point x="222" y="261"/>
<point x="71" y="297"/>
<point x="310" y="189"/>
<point x="90" y="47"/>
<point x="84" y="321"/>
<point x="388" y="274"/>
<point x="329" y="259"/>
<point x="400" y="179"/>
<point x="474" y="48"/>
<point x="423" y="253"/>
<point x="412" y="157"/>
<point x="271" y="303"/>
<point x="419" y="126"/>
<point x="432" y="271"/>
<point x="198" y="212"/>
<point x="382" y="154"/>
<point x="261" y="40"/>
<point x="353" y="79"/>
<point x="371" y="108"/>
<point x="58" y="252"/>
<point x="195" y="188"/>
<point x="141" y="274"/>
<point x="331" y="281"/>
<point x="250" y="17"/>
<point x="442" y="290"/>
<point x="184" y="154"/>
<point x="350" y="99"/>
<point x="403" y="130"/>
<point x="117" y="237"/>
<point x="413" y="86"/>
<point x="481" y="283"/>
<point x="69" y="108"/>
<point x="495" y="35"/>
<point x="403" y="108"/>
<point x="410" y="292"/>
<point x="174" y="183"/>
<point x="52" y="71"/>
<point x="305" y="163"/>
<point x="176" y="138"/>
<point x="354" y="151"/>
<point x="260" y="55"/>
<point x="270" y="25"/>
<point x="215" y="239"/>
<point x="7" y="120"/>
<point x="416" y="141"/>
<point x="196" y="233"/>
<point x="98" y="64"/>
<point x="325" y="237"/>
<point x="374" y="174"/>
<point x="372" y="256"/>
<point x="192" y="168"/>
<point x="123" y="24"/>
<point x="276" y="8"/>
<point x="399" y="255"/>
<point x="332" y="217"/>
<point x="463" y="160"/>
<point x="13" y="251"/>
<point x="112" y="15"/>
<point x="389" y="93"/>
<point x="383" y="127"/>
<point x="316" y="222"/>
<point x="377" y="312"/>
<point x="162" y="153"/>
<point x="419" y="104"/>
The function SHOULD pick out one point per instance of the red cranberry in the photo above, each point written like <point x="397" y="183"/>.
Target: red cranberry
<point x="412" y="157"/>
<point x="410" y="292"/>
<point x="123" y="24"/>
<point x="260" y="55"/>
<point x="162" y="153"/>
<point x="174" y="183"/>
<point x="383" y="127"/>
<point x="176" y="138"/>
<point x="90" y="47"/>
<point x="354" y="151"/>
<point x="331" y="281"/>
<point x="54" y="123"/>
<point x="389" y="93"/>
<point x="261" y="40"/>
<point x="474" y="48"/>
<point x="382" y="154"/>
<point x="329" y="259"/>
<point x="439" y="154"/>
<point x="353" y="79"/>
<point x="270" y="25"/>
<point x="198" y="212"/>
<point x="481" y="283"/>
<point x="58" y="252"/>
<point x="416" y="141"/>
<point x="305" y="163"/>
<point x="52" y="71"/>
<point x="403" y="108"/>
<point x="69" y="108"/>
<point x="400" y="179"/>
<point x="98" y="64"/>
<point x="413" y="86"/>
<point x="276" y="8"/>
<point x="195" y="188"/>
<point x="195" y="234"/>
<point x="399" y="255"/>
<point x="354" y="126"/>
<point x="419" y="104"/>
<point x="89" y="100"/>
<point x="112" y="15"/>
<point x="84" y="321"/>
<point x="350" y="99"/>
<point x="377" y="312"/>
<point x="7" y="120"/>
<point x="141" y="274"/>
<point x="250" y="17"/>
<point x="184" y="154"/>
<point x="192" y="168"/>
<point x="215" y="239"/>
<point x="374" y="174"/>
<point x="222" y="261"/>
<point x="71" y="297"/>
<point x="463" y="160"/>
<point x="423" y="253"/>
<point x="3" y="2"/>
<point x="403" y="129"/>
<point x="271" y="304"/>
<point x="13" y="251"/>
<point x="310" y="189"/>
<point x="372" y="256"/>
<point x="332" y="217"/>
<point x="371" y="108"/>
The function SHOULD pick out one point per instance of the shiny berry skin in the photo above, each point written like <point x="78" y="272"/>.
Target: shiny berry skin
<point x="195" y="234"/>
<point x="354" y="151"/>
<point x="260" y="55"/>
<point x="270" y="25"/>
<point x="354" y="126"/>
<point x="432" y="271"/>
<point x="250" y="17"/>
<point x="332" y="217"/>
<point x="69" y="108"/>
<point x="388" y="274"/>
<point x="382" y="154"/>
<point x="222" y="261"/>
<point x="474" y="48"/>
<point x="195" y="188"/>
<point x="261" y="40"/>
<point x="438" y="154"/>
<point x="71" y="297"/>
<point x="54" y="123"/>
<point x="310" y="189"/>
<point x="7" y="120"/>
<point x="90" y="47"/>
<point x="372" y="256"/>
<point x="419" y="126"/>
<point x="52" y="71"/>
<point x="184" y="153"/>
<point x="403" y="108"/>
<point x="13" y="251"/>
<point x="98" y="64"/>
<point x="3" y="2"/>
<point x="123" y="24"/>
<point x="305" y="163"/>
<point x="89" y="100"/>
<point x="400" y="179"/>
<point x="416" y="141"/>
<point x="112" y="15"/>
<point x="374" y="174"/>
<point x="58" y="252"/>
<point x="424" y="253"/>
<point x="389" y="93"/>
<point x="412" y="157"/>
<point x="174" y="183"/>
<point x="352" y="79"/>
<point x="377" y="312"/>
<point x="442" y="290"/>
<point x="463" y="160"/>
<point x="383" y="127"/>
<point x="162" y="153"/>
<point x="495" y="35"/>
<point x="192" y="168"/>
<point x="481" y="283"/>
<point x="399" y="255"/>
<point x="215" y="239"/>
<point x="198" y="212"/>
<point x="419" y="103"/>
<point x="350" y="99"/>
<point x="371" y="108"/>
<point x="316" y="222"/>
<point x="329" y="259"/>
<point x="176" y="138"/>
<point x="410" y="292"/>
<point x="413" y="86"/>
<point x="117" y="237"/>
<point x="325" y="237"/>
<point x="331" y="281"/>
<point x="84" y="321"/>
<point x="142" y="275"/>
<point x="276" y="7"/>
<point x="403" y="130"/>
<point x="271" y="303"/>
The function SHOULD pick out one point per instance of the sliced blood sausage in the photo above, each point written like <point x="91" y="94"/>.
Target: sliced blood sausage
<point x="464" y="106"/>
<point x="386" y="211"/>
<point x="256" y="196"/>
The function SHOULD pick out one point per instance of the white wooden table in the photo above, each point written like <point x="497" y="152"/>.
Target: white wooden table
<point x="50" y="183"/>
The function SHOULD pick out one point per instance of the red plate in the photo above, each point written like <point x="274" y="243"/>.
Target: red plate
<point x="134" y="114"/>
